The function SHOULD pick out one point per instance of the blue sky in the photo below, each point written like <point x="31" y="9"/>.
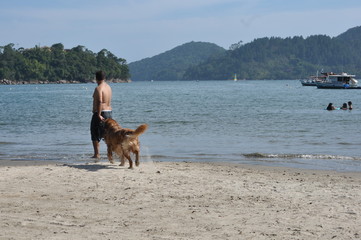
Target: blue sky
<point x="136" y="29"/>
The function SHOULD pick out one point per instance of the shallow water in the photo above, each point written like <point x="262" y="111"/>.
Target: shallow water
<point x="275" y="123"/>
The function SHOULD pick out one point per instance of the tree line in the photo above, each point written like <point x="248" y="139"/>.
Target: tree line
<point x="284" y="58"/>
<point x="55" y="63"/>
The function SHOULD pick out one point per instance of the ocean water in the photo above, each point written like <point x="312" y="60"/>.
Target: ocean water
<point x="273" y="123"/>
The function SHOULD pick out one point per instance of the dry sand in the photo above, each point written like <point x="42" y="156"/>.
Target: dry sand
<point x="166" y="200"/>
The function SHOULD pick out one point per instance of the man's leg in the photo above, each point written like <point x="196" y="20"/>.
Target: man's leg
<point x="96" y="149"/>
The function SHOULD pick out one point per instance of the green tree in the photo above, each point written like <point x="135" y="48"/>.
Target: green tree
<point x="56" y="63"/>
<point x="10" y="62"/>
<point x="81" y="64"/>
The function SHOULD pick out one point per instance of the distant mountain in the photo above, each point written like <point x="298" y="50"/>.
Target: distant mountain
<point x="352" y="38"/>
<point x="289" y="58"/>
<point x="172" y="64"/>
<point x="352" y="35"/>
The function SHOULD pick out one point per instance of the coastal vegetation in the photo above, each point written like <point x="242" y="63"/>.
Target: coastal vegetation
<point x="56" y="64"/>
<point x="264" y="58"/>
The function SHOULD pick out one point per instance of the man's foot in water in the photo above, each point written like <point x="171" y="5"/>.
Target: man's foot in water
<point x="96" y="158"/>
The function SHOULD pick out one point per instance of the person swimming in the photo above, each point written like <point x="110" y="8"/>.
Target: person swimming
<point x="349" y="105"/>
<point x="330" y="107"/>
<point x="344" y="106"/>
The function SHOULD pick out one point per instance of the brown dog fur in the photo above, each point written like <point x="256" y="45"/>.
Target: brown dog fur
<point x="122" y="141"/>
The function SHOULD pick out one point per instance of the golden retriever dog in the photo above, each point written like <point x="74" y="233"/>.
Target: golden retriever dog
<point x="122" y="141"/>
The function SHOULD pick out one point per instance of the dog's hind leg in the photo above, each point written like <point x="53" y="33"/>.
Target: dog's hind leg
<point x="127" y="156"/>
<point x="136" y="158"/>
<point x="122" y="160"/>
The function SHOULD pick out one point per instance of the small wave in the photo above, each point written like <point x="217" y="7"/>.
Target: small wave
<point x="346" y="143"/>
<point x="301" y="156"/>
<point x="174" y="122"/>
<point x="157" y="156"/>
<point x="6" y="143"/>
<point x="170" y="158"/>
<point x="255" y="155"/>
<point x="207" y="155"/>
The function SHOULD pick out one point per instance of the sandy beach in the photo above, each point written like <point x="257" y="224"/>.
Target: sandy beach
<point x="167" y="200"/>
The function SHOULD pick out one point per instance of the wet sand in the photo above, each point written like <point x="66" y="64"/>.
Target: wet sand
<point x="167" y="200"/>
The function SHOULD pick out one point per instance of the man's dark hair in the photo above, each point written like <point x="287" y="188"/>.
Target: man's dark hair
<point x="100" y="75"/>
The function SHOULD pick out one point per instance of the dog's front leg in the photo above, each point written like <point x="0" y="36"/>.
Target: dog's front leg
<point x="110" y="154"/>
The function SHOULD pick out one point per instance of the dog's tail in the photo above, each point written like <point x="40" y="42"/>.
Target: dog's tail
<point x="141" y="129"/>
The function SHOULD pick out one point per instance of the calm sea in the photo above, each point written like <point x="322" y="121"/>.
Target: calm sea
<point x="274" y="123"/>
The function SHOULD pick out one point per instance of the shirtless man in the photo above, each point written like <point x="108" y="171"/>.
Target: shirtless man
<point x="102" y="110"/>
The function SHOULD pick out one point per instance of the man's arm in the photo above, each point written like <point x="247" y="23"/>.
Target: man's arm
<point x="99" y="97"/>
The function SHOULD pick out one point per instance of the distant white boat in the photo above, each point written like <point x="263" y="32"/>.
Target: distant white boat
<point x="313" y="80"/>
<point x="339" y="81"/>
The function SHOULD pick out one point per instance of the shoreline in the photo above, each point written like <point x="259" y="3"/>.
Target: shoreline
<point x="177" y="200"/>
<point x="102" y="161"/>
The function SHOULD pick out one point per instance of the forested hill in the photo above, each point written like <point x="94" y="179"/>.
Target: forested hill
<point x="171" y="65"/>
<point x="289" y="58"/>
<point x="264" y="58"/>
<point x="56" y="64"/>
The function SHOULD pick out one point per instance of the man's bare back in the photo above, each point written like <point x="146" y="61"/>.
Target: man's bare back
<point x="102" y="98"/>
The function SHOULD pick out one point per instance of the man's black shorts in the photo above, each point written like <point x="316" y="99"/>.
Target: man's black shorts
<point x="96" y="126"/>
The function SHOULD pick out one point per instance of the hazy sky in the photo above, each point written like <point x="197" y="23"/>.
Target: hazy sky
<point x="136" y="29"/>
